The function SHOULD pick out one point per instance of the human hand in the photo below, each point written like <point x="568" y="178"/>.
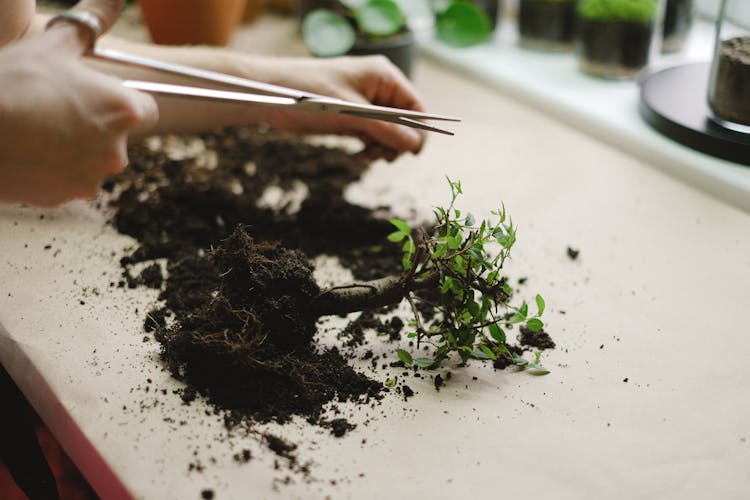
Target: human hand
<point x="63" y="126"/>
<point x="371" y="79"/>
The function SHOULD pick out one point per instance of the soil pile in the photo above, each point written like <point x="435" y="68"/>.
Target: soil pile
<point x="248" y="347"/>
<point x="239" y="286"/>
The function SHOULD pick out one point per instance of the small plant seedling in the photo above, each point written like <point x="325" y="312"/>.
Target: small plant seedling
<point x="625" y="10"/>
<point x="453" y="271"/>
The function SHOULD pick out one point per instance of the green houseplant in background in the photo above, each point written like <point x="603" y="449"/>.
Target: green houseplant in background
<point x="547" y="24"/>
<point x="360" y="27"/>
<point x="615" y="36"/>
<point x="463" y="23"/>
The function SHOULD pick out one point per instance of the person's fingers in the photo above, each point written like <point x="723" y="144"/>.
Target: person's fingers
<point x="77" y="37"/>
<point x="392" y="136"/>
<point x="67" y="38"/>
<point x="146" y="112"/>
<point x="87" y="191"/>
<point x="106" y="10"/>
<point x="383" y="83"/>
<point x="375" y="151"/>
<point x="126" y="110"/>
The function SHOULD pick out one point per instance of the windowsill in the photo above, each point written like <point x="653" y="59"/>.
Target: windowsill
<point x="607" y="110"/>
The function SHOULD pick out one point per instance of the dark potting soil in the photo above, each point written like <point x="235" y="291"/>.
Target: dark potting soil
<point x="547" y="24"/>
<point x="678" y="19"/>
<point x="613" y="48"/>
<point x="242" y="335"/>
<point x="730" y="92"/>
<point x="540" y="340"/>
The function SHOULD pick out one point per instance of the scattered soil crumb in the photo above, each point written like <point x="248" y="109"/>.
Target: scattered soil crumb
<point x="540" y="339"/>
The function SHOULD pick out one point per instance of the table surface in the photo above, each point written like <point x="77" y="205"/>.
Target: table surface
<point x="647" y="397"/>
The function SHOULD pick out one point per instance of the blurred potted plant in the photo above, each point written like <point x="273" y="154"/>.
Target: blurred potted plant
<point x="360" y="27"/>
<point x="462" y="23"/>
<point x="547" y="24"/>
<point x="192" y="22"/>
<point x="678" y="19"/>
<point x="615" y="36"/>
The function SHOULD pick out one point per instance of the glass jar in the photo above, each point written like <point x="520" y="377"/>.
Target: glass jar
<point x="617" y="37"/>
<point x="678" y="19"/>
<point x="729" y="87"/>
<point x="547" y="25"/>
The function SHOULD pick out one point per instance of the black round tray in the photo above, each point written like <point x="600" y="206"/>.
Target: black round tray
<point x="675" y="102"/>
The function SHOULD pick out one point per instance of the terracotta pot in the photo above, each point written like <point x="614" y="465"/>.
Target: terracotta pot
<point x="192" y="22"/>
<point x="284" y="6"/>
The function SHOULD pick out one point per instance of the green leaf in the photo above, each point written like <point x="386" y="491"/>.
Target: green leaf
<point x="408" y="246"/>
<point x="440" y="250"/>
<point x="535" y="325"/>
<point x="469" y="220"/>
<point x="519" y="360"/>
<point x="520" y="315"/>
<point x="396" y="236"/>
<point x="477" y="354"/>
<point x="460" y="262"/>
<point x="327" y="34"/>
<point x="539" y="304"/>
<point x="492" y="276"/>
<point x="406" y="261"/>
<point x="401" y="225"/>
<point x="424" y="362"/>
<point x="390" y="382"/>
<point x="536" y="369"/>
<point x="497" y="333"/>
<point x="454" y="241"/>
<point x="380" y="18"/>
<point x="405" y="356"/>
<point x="462" y="24"/>
<point x="466" y="350"/>
<point x="488" y="352"/>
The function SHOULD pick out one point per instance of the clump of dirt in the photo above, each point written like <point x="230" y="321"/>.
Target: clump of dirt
<point x="540" y="339"/>
<point x="248" y="348"/>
